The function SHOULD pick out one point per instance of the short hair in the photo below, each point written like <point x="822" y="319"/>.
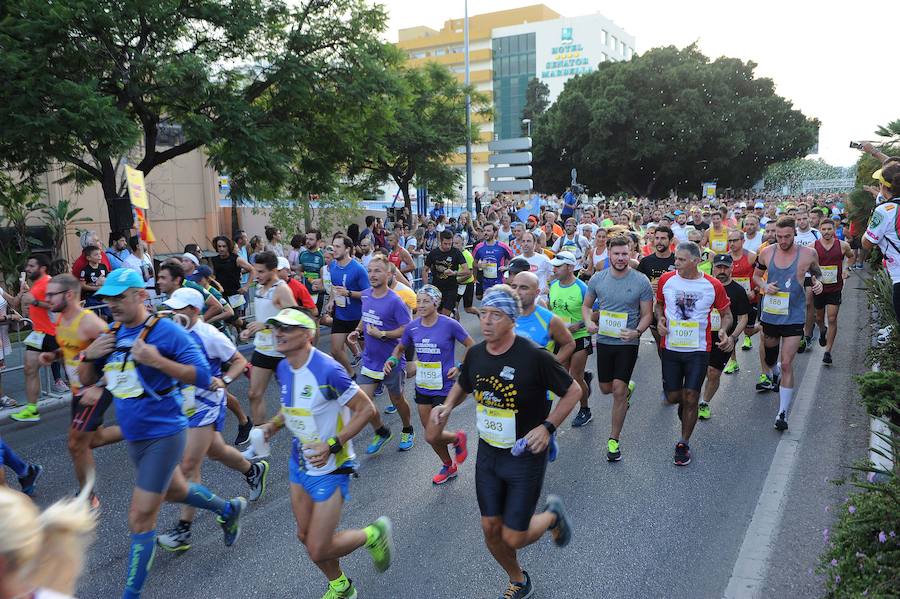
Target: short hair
<point x="315" y="232"/>
<point x="267" y="259"/>
<point x="489" y="224"/>
<point x="175" y="270"/>
<point x="191" y="248"/>
<point x="271" y="232"/>
<point x="445" y="234"/>
<point x="115" y="236"/>
<point x="786" y="221"/>
<point x="617" y="241"/>
<point x="666" y="230"/>
<point x="133" y="242"/>
<point x="298" y="241"/>
<point x="348" y="243"/>
<point x="42" y="259"/>
<point x="818" y="211"/>
<point x="376" y="257"/>
<point x="67" y="282"/>
<point x="826" y="221"/>
<point x="85" y="236"/>
<point x="228" y="243"/>
<point x="690" y="247"/>
<point x="87" y="250"/>
<point x="370" y="220"/>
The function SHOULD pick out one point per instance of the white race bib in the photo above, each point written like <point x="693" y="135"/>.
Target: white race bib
<point x="777" y="303"/>
<point x="715" y="320"/>
<point x="829" y="275"/>
<point x="429" y="375"/>
<point x="743" y="282"/>
<point x="612" y="323"/>
<point x="121" y="381"/>
<point x="237" y="300"/>
<point x="460" y="289"/>
<point x="264" y="340"/>
<point x="189" y="405"/>
<point x="35" y="339"/>
<point x="490" y="270"/>
<point x="378" y="375"/>
<point x="340" y="301"/>
<point x="496" y="426"/>
<point x="301" y="423"/>
<point x="683" y="333"/>
<point x="719" y="245"/>
<point x="72" y="372"/>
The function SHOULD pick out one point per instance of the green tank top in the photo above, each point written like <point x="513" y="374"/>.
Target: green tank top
<point x="566" y="303"/>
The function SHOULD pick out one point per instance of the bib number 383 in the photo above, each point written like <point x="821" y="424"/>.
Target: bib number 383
<point x="496" y="426"/>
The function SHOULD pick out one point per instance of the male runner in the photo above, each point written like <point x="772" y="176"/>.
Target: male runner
<point x="465" y="289"/>
<point x="723" y="268"/>
<point x="742" y="261"/>
<point x="433" y="338"/>
<point x="143" y="363"/>
<point x="510" y="377"/>
<point x="205" y="410"/>
<point x="540" y="263"/>
<point x="834" y="260"/>
<point x="539" y="324"/>
<point x="661" y="261"/>
<point x="806" y="237"/>
<point x="567" y="294"/>
<point x="782" y="312"/>
<point x="572" y="241"/>
<point x="753" y="237"/>
<point x="323" y="409"/>
<point x="348" y="280"/>
<point x="625" y="312"/>
<point x="684" y="301"/>
<point x="716" y="237"/>
<point x="397" y="254"/>
<point x="311" y="263"/>
<point x="490" y="256"/>
<point x="384" y="317"/>
<point x="448" y="264"/>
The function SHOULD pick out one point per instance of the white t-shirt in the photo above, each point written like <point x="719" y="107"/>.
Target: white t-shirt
<point x="807" y="238"/>
<point x="540" y="266"/>
<point x="134" y="263"/>
<point x="751" y="244"/>
<point x="681" y="232"/>
<point x="504" y="236"/>
<point x="580" y="229"/>
<point x="578" y="245"/>
<point x="882" y="231"/>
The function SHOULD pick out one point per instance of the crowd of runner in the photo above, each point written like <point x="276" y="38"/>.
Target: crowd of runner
<point x="582" y="277"/>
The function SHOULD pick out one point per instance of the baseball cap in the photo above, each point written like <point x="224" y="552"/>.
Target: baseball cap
<point x="202" y="272"/>
<point x="183" y="297"/>
<point x="759" y="205"/>
<point x="191" y="257"/>
<point x="518" y="265"/>
<point x="564" y="258"/>
<point x="742" y="205"/>
<point x="293" y="317"/>
<point x="723" y="259"/>
<point x="283" y="263"/>
<point x="119" y="281"/>
<point x="678" y="213"/>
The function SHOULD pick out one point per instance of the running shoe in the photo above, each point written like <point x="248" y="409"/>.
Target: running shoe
<point x="406" y="441"/>
<point x="461" y="447"/>
<point x="631" y="386"/>
<point x="781" y="422"/>
<point x="391" y="408"/>
<point x="249" y="454"/>
<point x="175" y="539"/>
<point x="519" y="590"/>
<point x="377" y="443"/>
<point x="349" y="592"/>
<point x="30" y="479"/>
<point x="231" y="524"/>
<point x="826" y="359"/>
<point x="561" y="530"/>
<point x="243" y="434"/>
<point x="731" y="367"/>
<point x="382" y="546"/>
<point x="8" y="402"/>
<point x="583" y="417"/>
<point x="355" y="361"/>
<point x="446" y="473"/>
<point x="802" y="347"/>
<point x="60" y="387"/>
<point x="682" y="454"/>
<point x="747" y="345"/>
<point x="27" y="414"/>
<point x="703" y="411"/>
<point x="588" y="379"/>
<point x="612" y="451"/>
<point x="259" y="472"/>
<point x="765" y="383"/>
<point x="823" y="337"/>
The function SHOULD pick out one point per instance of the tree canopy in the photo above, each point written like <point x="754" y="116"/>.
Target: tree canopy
<point x="793" y="172"/>
<point x="537" y="100"/>
<point x="668" y="119"/>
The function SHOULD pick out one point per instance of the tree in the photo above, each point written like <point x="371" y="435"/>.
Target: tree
<point x="537" y="99"/>
<point x="58" y="219"/>
<point x="257" y="83"/>
<point x="793" y="172"/>
<point x="668" y="119"/>
<point x="429" y="126"/>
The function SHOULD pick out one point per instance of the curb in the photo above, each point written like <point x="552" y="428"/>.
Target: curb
<point x="47" y="403"/>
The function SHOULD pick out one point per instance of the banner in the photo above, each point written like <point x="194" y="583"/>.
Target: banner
<point x="708" y="191"/>
<point x="137" y="191"/>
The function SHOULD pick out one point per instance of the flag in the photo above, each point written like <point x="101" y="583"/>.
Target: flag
<point x="143" y="226"/>
<point x="530" y="209"/>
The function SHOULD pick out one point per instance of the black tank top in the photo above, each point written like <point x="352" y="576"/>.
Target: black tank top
<point x="228" y="273"/>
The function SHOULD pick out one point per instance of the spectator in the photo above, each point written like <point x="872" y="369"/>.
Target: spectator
<point x="89" y="238"/>
<point x="117" y="250"/>
<point x="273" y="241"/>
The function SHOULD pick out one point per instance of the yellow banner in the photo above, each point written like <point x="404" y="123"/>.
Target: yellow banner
<point x="136" y="189"/>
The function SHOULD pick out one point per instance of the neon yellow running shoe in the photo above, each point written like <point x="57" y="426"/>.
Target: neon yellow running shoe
<point x="731" y="367"/>
<point x="347" y="593"/>
<point x="703" y="411"/>
<point x="382" y="545"/>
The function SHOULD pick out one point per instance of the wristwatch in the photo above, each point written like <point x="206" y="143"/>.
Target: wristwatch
<point x="227" y="379"/>
<point x="334" y="445"/>
<point x="551" y="428"/>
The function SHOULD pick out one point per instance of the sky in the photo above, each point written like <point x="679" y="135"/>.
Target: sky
<point x="822" y="56"/>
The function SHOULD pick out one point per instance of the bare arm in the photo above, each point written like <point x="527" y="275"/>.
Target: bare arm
<point x="283" y="297"/>
<point x="408" y="264"/>
<point x="561" y="335"/>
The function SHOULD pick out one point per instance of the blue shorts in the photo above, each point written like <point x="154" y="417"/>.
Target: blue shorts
<point x="207" y="415"/>
<point x="320" y="488"/>
<point x="156" y="459"/>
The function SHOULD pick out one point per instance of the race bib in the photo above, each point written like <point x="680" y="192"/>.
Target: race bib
<point x="121" y="381"/>
<point x="719" y="245"/>
<point x="490" y="270"/>
<point x="378" y="375"/>
<point x="612" y="323"/>
<point x="429" y="375"/>
<point x="777" y="303"/>
<point x="237" y="300"/>
<point x="460" y="289"/>
<point x="829" y="275"/>
<point x="340" y="301"/>
<point x="715" y="320"/>
<point x="35" y="340"/>
<point x="683" y="333"/>
<point x="264" y="340"/>
<point x="496" y="426"/>
<point x="189" y="405"/>
<point x="301" y="423"/>
<point x="743" y="282"/>
<point x="72" y="372"/>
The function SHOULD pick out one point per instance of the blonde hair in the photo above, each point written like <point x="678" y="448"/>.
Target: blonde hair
<point x="46" y="549"/>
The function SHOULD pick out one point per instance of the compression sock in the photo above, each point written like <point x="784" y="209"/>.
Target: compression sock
<point x="200" y="497"/>
<point x="12" y="459"/>
<point x="785" y="395"/>
<point x="140" y="560"/>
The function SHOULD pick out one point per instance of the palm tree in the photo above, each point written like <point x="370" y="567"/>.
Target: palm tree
<point x="58" y="219"/>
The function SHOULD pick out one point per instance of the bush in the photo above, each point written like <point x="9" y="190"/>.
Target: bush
<point x="880" y="392"/>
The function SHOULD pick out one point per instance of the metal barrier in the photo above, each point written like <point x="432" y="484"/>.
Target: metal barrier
<point x="17" y="363"/>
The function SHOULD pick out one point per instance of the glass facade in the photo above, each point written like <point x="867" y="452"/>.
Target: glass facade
<point x="514" y="64"/>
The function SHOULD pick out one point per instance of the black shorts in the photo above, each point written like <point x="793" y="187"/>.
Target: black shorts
<point x="410" y="353"/>
<point x="509" y="486"/>
<point x="48" y="344"/>
<point x="718" y="359"/>
<point x="616" y="362"/>
<point x="752" y="315"/>
<point x="259" y="360"/>
<point x="782" y="330"/>
<point x="684" y="370"/>
<point x="86" y="419"/>
<point x="807" y="282"/>
<point x="855" y="243"/>
<point x="584" y="344"/>
<point x="343" y="327"/>
<point x="320" y="303"/>
<point x="827" y="299"/>
<point x="429" y="400"/>
<point x="448" y="298"/>
<point x="468" y="296"/>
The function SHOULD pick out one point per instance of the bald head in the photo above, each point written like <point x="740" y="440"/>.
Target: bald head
<point x="527" y="286"/>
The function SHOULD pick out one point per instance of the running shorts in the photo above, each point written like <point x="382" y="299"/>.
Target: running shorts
<point x="827" y="299"/>
<point x="429" y="400"/>
<point x="684" y="370"/>
<point x="258" y="360"/>
<point x="87" y="419"/>
<point x="615" y="362"/>
<point x="343" y="327"/>
<point x="320" y="488"/>
<point x="393" y="382"/>
<point x="155" y="460"/>
<point x="508" y="486"/>
<point x="782" y="330"/>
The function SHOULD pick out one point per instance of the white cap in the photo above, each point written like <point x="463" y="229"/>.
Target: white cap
<point x="283" y="263"/>
<point x="183" y="297"/>
<point x="191" y="257"/>
<point x="564" y="258"/>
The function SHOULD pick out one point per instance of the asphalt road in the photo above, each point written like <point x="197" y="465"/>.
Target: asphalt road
<point x="643" y="527"/>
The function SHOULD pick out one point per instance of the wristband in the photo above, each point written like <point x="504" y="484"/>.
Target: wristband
<point x="393" y="360"/>
<point x="459" y="365"/>
<point x="334" y="445"/>
<point x="551" y="428"/>
<point x="227" y="379"/>
<point x="83" y="357"/>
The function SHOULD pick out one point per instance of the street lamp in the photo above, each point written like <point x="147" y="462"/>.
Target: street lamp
<point x="468" y="112"/>
<point x="527" y="122"/>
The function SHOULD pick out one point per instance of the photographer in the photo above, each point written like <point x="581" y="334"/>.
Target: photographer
<point x="882" y="230"/>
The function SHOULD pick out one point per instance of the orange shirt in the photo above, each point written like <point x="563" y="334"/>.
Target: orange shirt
<point x="41" y="316"/>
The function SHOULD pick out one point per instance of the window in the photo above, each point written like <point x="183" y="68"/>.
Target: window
<point x="602" y="37"/>
<point x="612" y="42"/>
<point x="622" y="48"/>
<point x="440" y="51"/>
<point x="629" y="53"/>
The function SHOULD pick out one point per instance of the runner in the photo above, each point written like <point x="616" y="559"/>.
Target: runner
<point x="625" y="312"/>
<point x="300" y="293"/>
<point x="143" y="364"/>
<point x="716" y="237"/>
<point x="661" y="261"/>
<point x="540" y="263"/>
<point x="782" y="315"/>
<point x="597" y="258"/>
<point x="76" y="329"/>
<point x="449" y="264"/>
<point x="567" y="294"/>
<point x="753" y="237"/>
<point x="742" y="261"/>
<point x="398" y="256"/>
<point x="834" y="260"/>
<point x="32" y="299"/>
<point x="539" y="324"/>
<point x="205" y="410"/>
<point x="348" y="280"/>
<point x="384" y="318"/>
<point x="806" y="237"/>
<point x="490" y="256"/>
<point x="572" y="242"/>
<point x="465" y="289"/>
<point x="684" y="301"/>
<point x="323" y="409"/>
<point x="883" y="230"/>
<point x="311" y="265"/>
<point x="433" y="337"/>
<point x="723" y="270"/>
<point x="510" y="377"/>
<point x="272" y="295"/>
<point x="28" y="474"/>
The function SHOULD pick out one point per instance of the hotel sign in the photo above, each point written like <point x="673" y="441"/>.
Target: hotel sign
<point x="567" y="59"/>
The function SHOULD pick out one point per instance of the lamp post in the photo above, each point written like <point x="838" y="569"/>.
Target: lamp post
<point x="468" y="111"/>
<point x="527" y="122"/>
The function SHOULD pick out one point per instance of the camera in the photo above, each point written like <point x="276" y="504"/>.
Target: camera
<point x="856" y="145"/>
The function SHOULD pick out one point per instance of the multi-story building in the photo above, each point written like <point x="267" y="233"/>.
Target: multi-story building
<point x="506" y="50"/>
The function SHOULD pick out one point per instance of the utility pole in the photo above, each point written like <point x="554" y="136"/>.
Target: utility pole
<point x="469" y="208"/>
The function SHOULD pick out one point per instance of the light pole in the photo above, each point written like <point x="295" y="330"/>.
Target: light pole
<point x="527" y="122"/>
<point x="468" y="111"/>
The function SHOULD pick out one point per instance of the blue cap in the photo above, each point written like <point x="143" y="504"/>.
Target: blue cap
<point x="119" y="281"/>
<point x="678" y="213"/>
<point x="202" y="272"/>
